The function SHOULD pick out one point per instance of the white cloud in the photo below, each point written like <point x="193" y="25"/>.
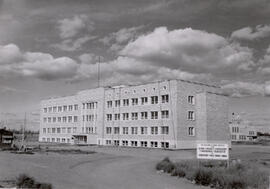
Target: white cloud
<point x="73" y="45"/>
<point x="70" y="27"/>
<point x="250" y="34"/>
<point x="241" y="89"/>
<point x="118" y="39"/>
<point x="190" y="50"/>
<point x="36" y="64"/>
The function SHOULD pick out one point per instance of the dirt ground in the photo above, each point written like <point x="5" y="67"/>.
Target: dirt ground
<point x="112" y="168"/>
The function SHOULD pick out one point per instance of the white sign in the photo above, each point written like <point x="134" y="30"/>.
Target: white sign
<point x="213" y="151"/>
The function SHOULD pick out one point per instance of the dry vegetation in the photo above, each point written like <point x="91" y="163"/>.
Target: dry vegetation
<point x="237" y="176"/>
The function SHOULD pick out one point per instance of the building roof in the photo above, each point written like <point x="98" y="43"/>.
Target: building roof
<point x="5" y="132"/>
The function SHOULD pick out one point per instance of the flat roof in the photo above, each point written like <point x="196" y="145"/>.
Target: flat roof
<point x="133" y="85"/>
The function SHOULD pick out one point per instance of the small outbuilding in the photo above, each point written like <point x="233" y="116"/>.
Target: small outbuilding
<point x="6" y="137"/>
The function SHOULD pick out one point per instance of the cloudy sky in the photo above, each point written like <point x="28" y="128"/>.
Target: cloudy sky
<point x="51" y="48"/>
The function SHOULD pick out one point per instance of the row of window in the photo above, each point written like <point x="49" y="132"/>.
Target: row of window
<point x="164" y="130"/>
<point x="135" y="101"/>
<point x="64" y="130"/>
<point x="59" y="130"/>
<point x="134" y="115"/>
<point x="64" y="108"/>
<point x="90" y="105"/>
<point x="62" y="140"/>
<point x="235" y="129"/>
<point x="241" y="137"/>
<point x="135" y="143"/>
<point x="90" y="117"/>
<point x="64" y="119"/>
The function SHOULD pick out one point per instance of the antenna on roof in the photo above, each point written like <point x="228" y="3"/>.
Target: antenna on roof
<point x="98" y="71"/>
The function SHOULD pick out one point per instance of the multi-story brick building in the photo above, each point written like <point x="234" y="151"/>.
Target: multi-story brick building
<point x="240" y="130"/>
<point x="172" y="114"/>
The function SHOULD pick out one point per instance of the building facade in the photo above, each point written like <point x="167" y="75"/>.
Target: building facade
<point x="173" y="114"/>
<point x="240" y="130"/>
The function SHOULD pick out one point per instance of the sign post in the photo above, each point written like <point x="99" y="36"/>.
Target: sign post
<point x="212" y="151"/>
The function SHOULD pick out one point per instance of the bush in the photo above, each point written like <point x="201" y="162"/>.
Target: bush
<point x="166" y="165"/>
<point x="24" y="181"/>
<point x="238" y="176"/>
<point x="203" y="176"/>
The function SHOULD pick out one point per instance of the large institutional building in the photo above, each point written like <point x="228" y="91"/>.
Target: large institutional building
<point x="173" y="114"/>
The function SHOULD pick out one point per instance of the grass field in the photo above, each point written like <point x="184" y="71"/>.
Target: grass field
<point x="113" y="168"/>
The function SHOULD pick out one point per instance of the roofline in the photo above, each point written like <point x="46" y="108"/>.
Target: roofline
<point x="133" y="85"/>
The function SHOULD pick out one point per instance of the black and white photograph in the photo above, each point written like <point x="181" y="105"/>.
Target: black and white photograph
<point x="134" y="94"/>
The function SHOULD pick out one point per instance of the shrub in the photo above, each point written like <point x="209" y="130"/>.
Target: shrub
<point x="24" y="181"/>
<point x="166" y="165"/>
<point x="203" y="176"/>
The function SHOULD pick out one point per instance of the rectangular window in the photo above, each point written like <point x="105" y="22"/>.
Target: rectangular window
<point x="154" y="115"/>
<point x="59" y="119"/>
<point x="63" y="130"/>
<point x="165" y="114"/>
<point x="143" y="143"/>
<point x="54" y="109"/>
<point x="116" y="130"/>
<point x="69" y="130"/>
<point x="54" y="119"/>
<point x="53" y="130"/>
<point x="45" y="110"/>
<point x="154" y="144"/>
<point x="58" y="139"/>
<point x="116" y="142"/>
<point x="49" y="130"/>
<point x="134" y="101"/>
<point x="144" y="130"/>
<point x="134" y="116"/>
<point x="53" y="139"/>
<point x="44" y="130"/>
<point x="69" y="119"/>
<point x="50" y="109"/>
<point x="124" y="143"/>
<point x="144" y="100"/>
<point x="125" y="116"/>
<point x="191" y="131"/>
<point x="116" y="116"/>
<point x="154" y="99"/>
<point x="117" y="103"/>
<point x="49" y="119"/>
<point x="164" y="144"/>
<point x="109" y="117"/>
<point x="191" y="100"/>
<point x="75" y="119"/>
<point x="154" y="130"/>
<point x="125" y="130"/>
<point x="59" y="108"/>
<point x="74" y="129"/>
<point x="164" y="130"/>
<point x="144" y="115"/>
<point x="134" y="143"/>
<point x="108" y="142"/>
<point x="75" y="106"/>
<point x="191" y="115"/>
<point x="64" y="119"/>
<point x="165" y="98"/>
<point x="126" y="102"/>
<point x="109" y="104"/>
<point x="134" y="130"/>
<point x="58" y="130"/>
<point x="108" y="130"/>
<point x="64" y="108"/>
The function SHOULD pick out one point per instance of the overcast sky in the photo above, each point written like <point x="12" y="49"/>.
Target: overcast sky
<point x="51" y="48"/>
